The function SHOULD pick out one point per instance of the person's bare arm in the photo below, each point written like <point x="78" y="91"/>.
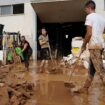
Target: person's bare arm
<point x="42" y="42"/>
<point x="24" y="48"/>
<point x="87" y="37"/>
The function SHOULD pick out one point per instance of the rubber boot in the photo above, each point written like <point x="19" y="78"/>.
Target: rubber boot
<point x="27" y="66"/>
<point x="102" y="77"/>
<point x="46" y="68"/>
<point x="41" y="66"/>
<point x="41" y="69"/>
<point x="85" y="88"/>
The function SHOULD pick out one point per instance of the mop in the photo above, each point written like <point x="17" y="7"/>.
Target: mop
<point x="70" y="84"/>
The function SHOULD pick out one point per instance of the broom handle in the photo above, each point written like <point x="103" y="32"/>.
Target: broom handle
<point x="71" y="74"/>
<point x="50" y="53"/>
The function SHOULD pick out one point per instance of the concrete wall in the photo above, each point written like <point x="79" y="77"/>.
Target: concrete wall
<point x="25" y="23"/>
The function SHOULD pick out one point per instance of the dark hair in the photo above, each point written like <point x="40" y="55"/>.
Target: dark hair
<point x="23" y="37"/>
<point x="91" y="4"/>
<point x="41" y="30"/>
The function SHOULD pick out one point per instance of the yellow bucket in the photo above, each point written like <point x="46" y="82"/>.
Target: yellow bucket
<point x="75" y="50"/>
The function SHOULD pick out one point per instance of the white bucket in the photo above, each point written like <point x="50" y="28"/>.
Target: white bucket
<point x="77" y="42"/>
<point x="76" y="46"/>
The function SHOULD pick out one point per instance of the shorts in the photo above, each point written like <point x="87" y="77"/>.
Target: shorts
<point x="45" y="54"/>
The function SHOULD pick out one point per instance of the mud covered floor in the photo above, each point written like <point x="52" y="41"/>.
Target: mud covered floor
<point x="46" y="89"/>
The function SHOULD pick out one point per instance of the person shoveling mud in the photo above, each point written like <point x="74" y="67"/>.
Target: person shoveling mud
<point x="95" y="24"/>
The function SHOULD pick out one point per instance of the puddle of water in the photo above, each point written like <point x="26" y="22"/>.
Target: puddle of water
<point x="55" y="93"/>
<point x="50" y="89"/>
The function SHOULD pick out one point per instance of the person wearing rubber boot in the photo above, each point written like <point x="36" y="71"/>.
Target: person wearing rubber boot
<point x="45" y="54"/>
<point x="95" y="25"/>
<point x="27" y="51"/>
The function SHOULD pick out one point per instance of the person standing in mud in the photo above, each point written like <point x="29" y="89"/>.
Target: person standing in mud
<point x="44" y="43"/>
<point x="27" y="51"/>
<point x="95" y="25"/>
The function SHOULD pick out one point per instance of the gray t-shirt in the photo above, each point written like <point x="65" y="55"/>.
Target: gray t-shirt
<point x="46" y="39"/>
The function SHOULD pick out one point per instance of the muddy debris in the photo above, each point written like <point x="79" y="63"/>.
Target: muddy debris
<point x="4" y="97"/>
<point x="13" y="92"/>
<point x="18" y="95"/>
<point x="4" y="72"/>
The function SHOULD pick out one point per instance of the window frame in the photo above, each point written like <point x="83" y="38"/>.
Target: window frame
<point x="14" y="7"/>
<point x="6" y="6"/>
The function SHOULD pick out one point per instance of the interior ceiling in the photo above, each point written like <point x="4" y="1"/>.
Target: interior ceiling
<point x="60" y="11"/>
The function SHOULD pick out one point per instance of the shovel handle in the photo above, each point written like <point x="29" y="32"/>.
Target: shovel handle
<point x="74" y="68"/>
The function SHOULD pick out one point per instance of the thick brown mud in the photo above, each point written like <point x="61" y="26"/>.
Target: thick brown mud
<point x="21" y="87"/>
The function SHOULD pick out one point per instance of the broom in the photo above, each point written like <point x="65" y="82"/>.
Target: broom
<point x="54" y="69"/>
<point x="70" y="84"/>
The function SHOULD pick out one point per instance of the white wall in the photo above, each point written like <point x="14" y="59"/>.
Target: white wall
<point x="100" y="7"/>
<point x="7" y="2"/>
<point x="25" y="23"/>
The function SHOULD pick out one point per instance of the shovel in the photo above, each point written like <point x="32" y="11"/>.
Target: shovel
<point x="70" y="84"/>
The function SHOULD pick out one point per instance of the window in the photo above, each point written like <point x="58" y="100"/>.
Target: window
<point x="18" y="9"/>
<point x="12" y="9"/>
<point x="6" y="10"/>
